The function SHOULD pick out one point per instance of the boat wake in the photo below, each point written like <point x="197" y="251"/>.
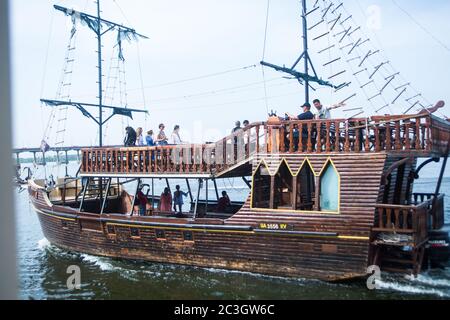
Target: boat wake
<point x="44" y="244"/>
<point x="98" y="261"/>
<point x="425" y="284"/>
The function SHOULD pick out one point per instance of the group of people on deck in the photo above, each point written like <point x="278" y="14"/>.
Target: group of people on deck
<point x="167" y="201"/>
<point x="135" y="138"/>
<point x="323" y="113"/>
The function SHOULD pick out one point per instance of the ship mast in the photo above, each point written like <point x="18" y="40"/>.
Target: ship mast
<point x="307" y="59"/>
<point x="100" y="75"/>
<point x="303" y="77"/>
<point x="95" y="23"/>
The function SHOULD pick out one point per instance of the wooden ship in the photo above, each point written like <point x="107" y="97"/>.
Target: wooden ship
<point x="326" y="199"/>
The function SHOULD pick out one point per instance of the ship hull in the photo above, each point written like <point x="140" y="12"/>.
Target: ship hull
<point x="301" y="255"/>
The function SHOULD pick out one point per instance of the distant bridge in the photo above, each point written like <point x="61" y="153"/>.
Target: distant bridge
<point x="56" y="150"/>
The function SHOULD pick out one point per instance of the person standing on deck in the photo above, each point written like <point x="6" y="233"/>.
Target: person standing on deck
<point x="149" y="139"/>
<point x="178" y="199"/>
<point x="223" y="203"/>
<point x="306" y="115"/>
<point x="161" y="139"/>
<point x="140" y="137"/>
<point x="324" y="113"/>
<point x="130" y="137"/>
<point x="141" y="201"/>
<point x="175" y="138"/>
<point x="165" y="202"/>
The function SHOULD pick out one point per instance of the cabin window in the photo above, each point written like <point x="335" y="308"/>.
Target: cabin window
<point x="261" y="187"/>
<point x="188" y="236"/>
<point x="306" y="188"/>
<point x="135" y="233"/>
<point x="111" y="230"/>
<point x="329" y="188"/>
<point x="283" y="193"/>
<point x="160" y="234"/>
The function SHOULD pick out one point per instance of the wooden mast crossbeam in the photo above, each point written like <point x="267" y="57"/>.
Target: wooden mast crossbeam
<point x="80" y="106"/>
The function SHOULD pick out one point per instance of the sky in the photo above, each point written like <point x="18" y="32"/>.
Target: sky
<point x="217" y="46"/>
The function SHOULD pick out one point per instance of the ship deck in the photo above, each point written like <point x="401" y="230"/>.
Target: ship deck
<point x="415" y="136"/>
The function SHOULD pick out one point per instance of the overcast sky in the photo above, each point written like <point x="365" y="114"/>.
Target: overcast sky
<point x="191" y="39"/>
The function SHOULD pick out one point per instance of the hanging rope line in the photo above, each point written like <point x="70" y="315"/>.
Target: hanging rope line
<point x="253" y="66"/>
<point x="228" y="103"/>
<point x="44" y="76"/>
<point x="421" y="26"/>
<point x="217" y="92"/>
<point x="264" y="55"/>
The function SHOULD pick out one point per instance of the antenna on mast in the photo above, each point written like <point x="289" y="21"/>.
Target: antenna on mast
<point x="303" y="77"/>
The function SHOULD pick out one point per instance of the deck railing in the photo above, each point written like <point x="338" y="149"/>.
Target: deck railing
<point x="387" y="133"/>
<point x="435" y="208"/>
<point x="421" y="134"/>
<point x="186" y="158"/>
<point x="403" y="220"/>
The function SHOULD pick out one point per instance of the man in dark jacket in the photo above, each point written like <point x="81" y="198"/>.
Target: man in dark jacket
<point x="130" y="137"/>
<point x="306" y="115"/>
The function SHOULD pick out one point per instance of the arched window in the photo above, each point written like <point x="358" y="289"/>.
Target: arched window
<point x="305" y="188"/>
<point x="261" y="187"/>
<point x="329" y="188"/>
<point x="283" y="193"/>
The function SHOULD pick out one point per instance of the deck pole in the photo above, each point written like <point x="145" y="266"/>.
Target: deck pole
<point x="216" y="189"/>
<point x="207" y="196"/>
<point x="153" y="194"/>
<point x="247" y="182"/>
<point x="439" y="184"/>
<point x="135" y="196"/>
<point x="200" y="182"/>
<point x="106" y="196"/>
<point x="8" y="273"/>
<point x="189" y="190"/>
<point x="85" y="187"/>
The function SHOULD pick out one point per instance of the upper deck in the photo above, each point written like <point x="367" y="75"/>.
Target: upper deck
<point x="408" y="136"/>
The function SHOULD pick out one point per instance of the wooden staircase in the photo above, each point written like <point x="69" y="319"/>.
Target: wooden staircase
<point x="400" y="237"/>
<point x="396" y="260"/>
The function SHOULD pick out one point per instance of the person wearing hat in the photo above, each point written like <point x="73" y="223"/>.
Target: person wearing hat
<point x="306" y="115"/>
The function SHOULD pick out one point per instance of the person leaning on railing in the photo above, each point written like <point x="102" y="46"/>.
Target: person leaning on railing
<point x="324" y="113"/>
<point x="307" y="115"/>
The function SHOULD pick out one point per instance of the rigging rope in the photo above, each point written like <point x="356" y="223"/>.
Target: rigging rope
<point x="442" y="44"/>
<point x="264" y="55"/>
<point x="199" y="77"/>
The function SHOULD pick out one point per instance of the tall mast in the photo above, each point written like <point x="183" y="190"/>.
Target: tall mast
<point x="100" y="76"/>
<point x="95" y="24"/>
<point x="303" y="77"/>
<point x="305" y="49"/>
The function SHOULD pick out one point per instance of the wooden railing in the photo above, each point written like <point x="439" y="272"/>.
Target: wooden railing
<point x="405" y="220"/>
<point x="172" y="159"/>
<point x="387" y="133"/>
<point x="402" y="134"/>
<point x="435" y="208"/>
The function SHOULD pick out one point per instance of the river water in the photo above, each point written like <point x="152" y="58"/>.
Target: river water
<point x="43" y="269"/>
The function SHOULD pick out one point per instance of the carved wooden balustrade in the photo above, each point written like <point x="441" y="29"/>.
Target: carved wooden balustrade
<point x="419" y="135"/>
<point x="403" y="220"/>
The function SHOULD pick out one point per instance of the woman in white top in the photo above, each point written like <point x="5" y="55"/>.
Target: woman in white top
<point x="175" y="138"/>
<point x="140" y="137"/>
